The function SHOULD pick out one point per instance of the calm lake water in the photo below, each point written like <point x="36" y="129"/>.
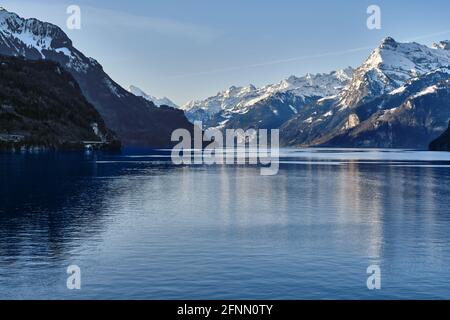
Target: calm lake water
<point x="141" y="228"/>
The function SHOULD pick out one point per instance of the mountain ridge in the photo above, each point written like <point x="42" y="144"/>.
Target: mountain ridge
<point x="389" y="66"/>
<point x="157" y="101"/>
<point x="321" y="84"/>
<point x="267" y="106"/>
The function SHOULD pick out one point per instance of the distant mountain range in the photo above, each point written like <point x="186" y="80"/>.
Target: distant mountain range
<point x="398" y="98"/>
<point x="135" y="120"/>
<point x="266" y="107"/>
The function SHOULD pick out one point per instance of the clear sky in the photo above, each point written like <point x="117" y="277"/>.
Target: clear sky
<point x="190" y="49"/>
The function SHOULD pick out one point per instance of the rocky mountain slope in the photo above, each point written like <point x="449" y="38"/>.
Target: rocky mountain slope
<point x="136" y="120"/>
<point x="41" y="105"/>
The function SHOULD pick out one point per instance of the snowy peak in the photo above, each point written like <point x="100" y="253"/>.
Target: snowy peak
<point x="390" y="65"/>
<point x="234" y="91"/>
<point x="344" y="75"/>
<point x="319" y="85"/>
<point x="157" y="101"/>
<point x="36" y="40"/>
<point x="388" y="42"/>
<point x="240" y="99"/>
<point x="413" y="58"/>
<point x="232" y="98"/>
<point x="33" y="33"/>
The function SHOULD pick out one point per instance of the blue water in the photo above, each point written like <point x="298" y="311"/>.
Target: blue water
<point x="141" y="228"/>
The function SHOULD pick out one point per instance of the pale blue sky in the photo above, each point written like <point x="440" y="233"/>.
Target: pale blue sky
<point x="189" y="49"/>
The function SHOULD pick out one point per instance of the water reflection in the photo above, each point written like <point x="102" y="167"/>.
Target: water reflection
<point x="142" y="228"/>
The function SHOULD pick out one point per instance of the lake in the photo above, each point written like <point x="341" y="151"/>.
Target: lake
<point x="141" y="228"/>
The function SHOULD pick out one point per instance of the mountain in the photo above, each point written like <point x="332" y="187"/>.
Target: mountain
<point x="396" y="98"/>
<point x="407" y="118"/>
<point x="389" y="66"/>
<point x="442" y="143"/>
<point x="157" y="101"/>
<point x="41" y="105"/>
<point x="232" y="99"/>
<point x="266" y="107"/>
<point x="135" y="120"/>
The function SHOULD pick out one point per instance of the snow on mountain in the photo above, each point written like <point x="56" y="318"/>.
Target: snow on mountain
<point x="157" y="101"/>
<point x="40" y="40"/>
<point x="410" y="116"/>
<point x="389" y="66"/>
<point x="241" y="99"/>
<point x="30" y="32"/>
<point x="409" y="119"/>
<point x="231" y="99"/>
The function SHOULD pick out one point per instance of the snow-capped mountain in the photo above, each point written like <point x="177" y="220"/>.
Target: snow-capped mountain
<point x="397" y="98"/>
<point x="157" y="101"/>
<point x="234" y="97"/>
<point x="241" y="100"/>
<point x="36" y="40"/>
<point x="135" y="120"/>
<point x="389" y="66"/>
